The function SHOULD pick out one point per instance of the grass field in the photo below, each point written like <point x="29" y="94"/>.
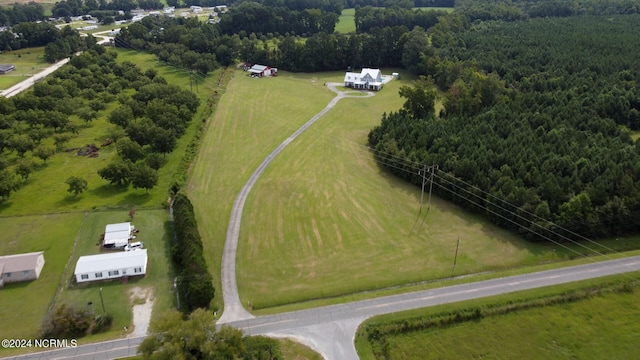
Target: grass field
<point x="605" y="326"/>
<point x="346" y="22"/>
<point x="253" y="117"/>
<point x="54" y="234"/>
<point x="27" y="62"/>
<point x="325" y="220"/>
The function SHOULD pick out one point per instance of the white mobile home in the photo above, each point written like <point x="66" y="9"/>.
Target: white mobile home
<point x="111" y="266"/>
<point x="117" y="235"/>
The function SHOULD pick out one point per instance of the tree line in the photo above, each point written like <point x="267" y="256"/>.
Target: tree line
<point x="535" y="114"/>
<point x="367" y="18"/>
<point x="514" y="10"/>
<point x="19" y="13"/>
<point x="251" y="17"/>
<point x="194" y="280"/>
<point x="191" y="44"/>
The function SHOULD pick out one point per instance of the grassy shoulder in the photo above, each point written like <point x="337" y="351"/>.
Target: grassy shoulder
<point x="592" y="319"/>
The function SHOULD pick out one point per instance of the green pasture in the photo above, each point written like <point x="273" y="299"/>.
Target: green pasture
<point x="602" y="326"/>
<point x="346" y="22"/>
<point x="27" y="62"/>
<point x="45" y="190"/>
<point x="325" y="220"/>
<point x="252" y="118"/>
<point x="23" y="305"/>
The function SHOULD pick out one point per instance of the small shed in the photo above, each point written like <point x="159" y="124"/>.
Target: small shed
<point x="6" y="68"/>
<point x="21" y="267"/>
<point x="262" y="70"/>
<point x="111" y="266"/>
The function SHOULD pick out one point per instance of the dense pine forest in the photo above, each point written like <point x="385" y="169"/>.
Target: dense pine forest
<point x="537" y="112"/>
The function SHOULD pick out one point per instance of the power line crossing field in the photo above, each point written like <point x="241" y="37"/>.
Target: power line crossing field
<point x="324" y="220"/>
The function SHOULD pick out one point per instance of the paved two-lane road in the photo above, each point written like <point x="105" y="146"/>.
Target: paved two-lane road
<point x="331" y="329"/>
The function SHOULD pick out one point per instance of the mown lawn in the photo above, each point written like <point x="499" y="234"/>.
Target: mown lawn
<point x="154" y="229"/>
<point x="23" y="305"/>
<point x="253" y="117"/>
<point x="325" y="220"/>
<point x="600" y="327"/>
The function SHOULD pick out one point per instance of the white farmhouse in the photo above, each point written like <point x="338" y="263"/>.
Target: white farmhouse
<point x="111" y="266"/>
<point x="368" y="79"/>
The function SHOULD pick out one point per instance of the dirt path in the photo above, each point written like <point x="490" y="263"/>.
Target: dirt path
<point x="233" y="308"/>
<point x="142" y="300"/>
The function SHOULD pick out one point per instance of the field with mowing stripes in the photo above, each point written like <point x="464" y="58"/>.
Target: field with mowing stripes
<point x="325" y="220"/>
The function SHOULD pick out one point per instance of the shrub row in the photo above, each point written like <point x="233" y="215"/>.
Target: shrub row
<point x="195" y="283"/>
<point x="378" y="333"/>
<point x="194" y="145"/>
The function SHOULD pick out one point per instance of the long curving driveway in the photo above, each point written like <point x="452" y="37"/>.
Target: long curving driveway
<point x="233" y="308"/>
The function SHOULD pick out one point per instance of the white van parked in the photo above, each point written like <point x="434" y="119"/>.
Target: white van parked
<point x="134" y="246"/>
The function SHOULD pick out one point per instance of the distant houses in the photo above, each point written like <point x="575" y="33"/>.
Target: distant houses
<point x="111" y="266"/>
<point x="21" y="267"/>
<point x="367" y="79"/>
<point x="6" y="68"/>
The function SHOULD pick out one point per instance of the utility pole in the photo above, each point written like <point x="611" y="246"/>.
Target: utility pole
<point x="102" y="302"/>
<point x="195" y="77"/>
<point x="434" y="167"/>
<point x="423" y="172"/>
<point x="455" y="259"/>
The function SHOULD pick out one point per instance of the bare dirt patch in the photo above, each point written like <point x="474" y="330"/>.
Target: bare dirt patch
<point x="142" y="300"/>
